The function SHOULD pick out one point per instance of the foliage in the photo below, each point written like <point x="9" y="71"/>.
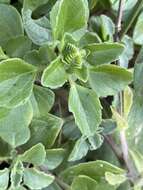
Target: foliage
<point x="71" y="95"/>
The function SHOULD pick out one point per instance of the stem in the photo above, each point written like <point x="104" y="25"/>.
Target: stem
<point x="123" y="140"/>
<point x="114" y="147"/>
<point x="132" y="16"/>
<point x="62" y="184"/>
<point x="119" y="19"/>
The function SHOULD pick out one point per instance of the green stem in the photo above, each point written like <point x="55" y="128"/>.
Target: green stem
<point x="131" y="18"/>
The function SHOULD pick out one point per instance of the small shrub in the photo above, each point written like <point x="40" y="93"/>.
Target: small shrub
<point x="71" y="89"/>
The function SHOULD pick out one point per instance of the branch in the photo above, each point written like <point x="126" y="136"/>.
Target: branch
<point x="114" y="147"/>
<point x="123" y="140"/>
<point x="119" y="19"/>
<point x="132" y="16"/>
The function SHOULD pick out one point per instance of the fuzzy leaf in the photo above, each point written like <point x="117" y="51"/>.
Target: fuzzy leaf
<point x="10" y="23"/>
<point x="63" y="11"/>
<point x="95" y="141"/>
<point x="115" y="179"/>
<point x="135" y="132"/>
<point x="4" y="179"/>
<point x="18" y="46"/>
<point x="109" y="79"/>
<point x="38" y="30"/>
<point x="17" y="174"/>
<point x="14" y="125"/>
<point x="84" y="183"/>
<point x="128" y="52"/>
<point x="79" y="151"/>
<point x="138" y="160"/>
<point x="35" y="179"/>
<point x="16" y="82"/>
<point x="2" y="54"/>
<point x="42" y="100"/>
<point x="85" y="106"/>
<point x="122" y="123"/>
<point x="103" y="53"/>
<point x="103" y="26"/>
<point x="96" y="170"/>
<point x="54" y="75"/>
<point x="45" y="130"/>
<point x="54" y="158"/>
<point x="128" y="100"/>
<point x="138" y="31"/>
<point x="35" y="155"/>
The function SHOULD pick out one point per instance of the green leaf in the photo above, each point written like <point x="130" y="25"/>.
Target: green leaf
<point x="2" y="54"/>
<point x="17" y="188"/>
<point x="63" y="11"/>
<point x="33" y="4"/>
<point x="128" y="100"/>
<point x="103" y="184"/>
<point x="42" y="100"/>
<point x="138" y="30"/>
<point x="35" y="179"/>
<point x="14" y="125"/>
<point x="128" y="52"/>
<point x="86" y="108"/>
<point x="95" y="141"/>
<point x="126" y="186"/>
<point x="35" y="155"/>
<point x="115" y="179"/>
<point x="103" y="26"/>
<point x="79" y="151"/>
<point x="41" y="57"/>
<point x="17" y="173"/>
<point x="54" y="158"/>
<point x="38" y="30"/>
<point x="45" y="130"/>
<point x="5" y="150"/>
<point x="10" y="23"/>
<point x="122" y="123"/>
<point x="108" y="80"/>
<point x="18" y="46"/>
<point x="84" y="183"/>
<point x="54" y="75"/>
<point x="5" y="1"/>
<point x="95" y="169"/>
<point x="53" y="186"/>
<point x="89" y="38"/>
<point x="92" y="3"/>
<point x="4" y="179"/>
<point x="70" y="130"/>
<point x="16" y="82"/>
<point x="82" y="74"/>
<point x="135" y="132"/>
<point x="103" y="53"/>
<point x="138" y="160"/>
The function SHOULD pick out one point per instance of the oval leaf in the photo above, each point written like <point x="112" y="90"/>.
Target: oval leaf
<point x="35" y="155"/>
<point x="16" y="82"/>
<point x="63" y="11"/>
<point x="85" y="106"/>
<point x="35" y="179"/>
<point x="10" y="23"/>
<point x="14" y="125"/>
<point x="102" y="53"/>
<point x="109" y="79"/>
<point x="54" y="75"/>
